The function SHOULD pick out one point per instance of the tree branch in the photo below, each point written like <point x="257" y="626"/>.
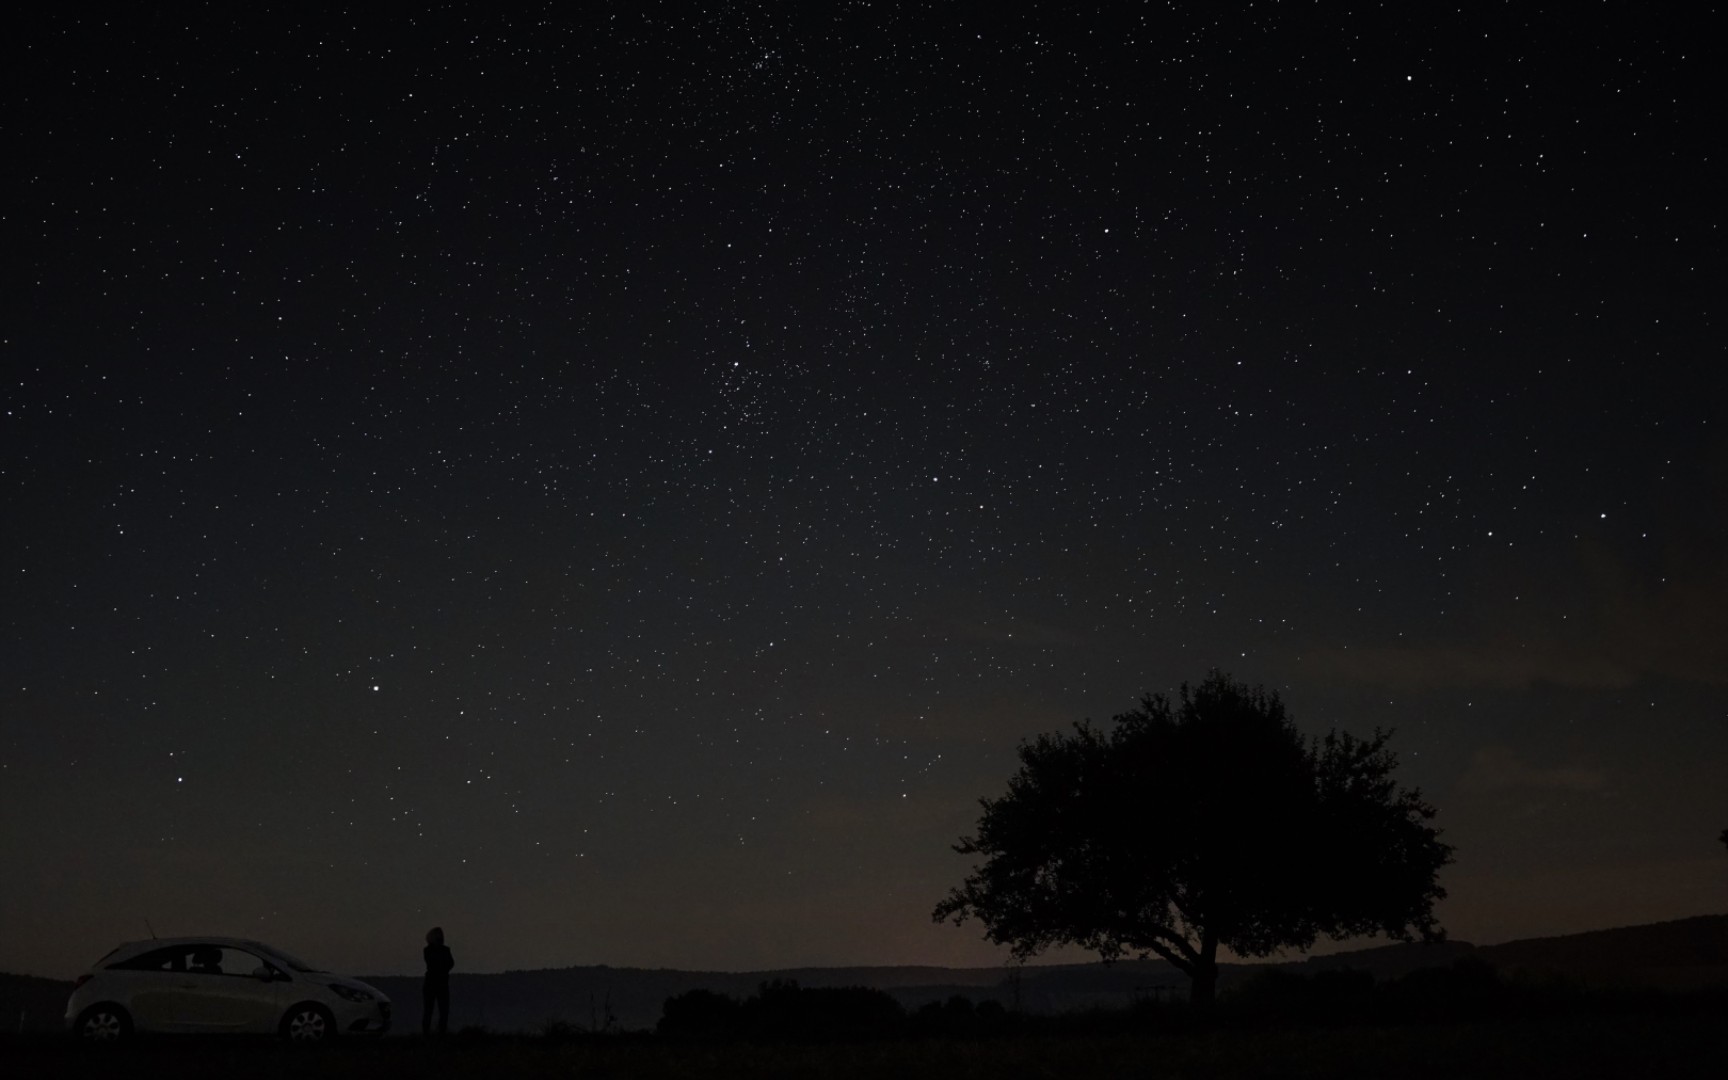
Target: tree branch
<point x="1185" y="966"/>
<point x="1189" y="954"/>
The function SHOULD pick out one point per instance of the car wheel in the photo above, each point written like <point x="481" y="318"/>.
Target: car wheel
<point x="308" y="1024"/>
<point x="105" y="1023"/>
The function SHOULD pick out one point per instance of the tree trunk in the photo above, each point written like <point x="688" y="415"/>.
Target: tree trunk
<point x="1204" y="989"/>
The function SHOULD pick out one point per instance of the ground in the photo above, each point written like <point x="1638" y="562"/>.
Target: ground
<point x="1577" y="1046"/>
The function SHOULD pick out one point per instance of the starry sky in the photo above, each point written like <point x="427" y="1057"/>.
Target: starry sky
<point x="618" y="480"/>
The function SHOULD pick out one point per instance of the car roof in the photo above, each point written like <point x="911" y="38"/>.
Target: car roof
<point x="132" y="948"/>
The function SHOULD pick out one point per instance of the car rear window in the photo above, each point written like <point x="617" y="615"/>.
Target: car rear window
<point x="172" y="958"/>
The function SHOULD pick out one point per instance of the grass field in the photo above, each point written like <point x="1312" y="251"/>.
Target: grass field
<point x="1694" y="1045"/>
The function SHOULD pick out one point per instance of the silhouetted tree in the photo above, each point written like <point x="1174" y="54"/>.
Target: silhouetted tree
<point x="701" y="1013"/>
<point x="1197" y="825"/>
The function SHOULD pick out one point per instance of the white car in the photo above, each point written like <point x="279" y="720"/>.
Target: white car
<point x="219" y="984"/>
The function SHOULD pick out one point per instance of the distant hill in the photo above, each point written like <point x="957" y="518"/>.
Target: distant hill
<point x="1682" y="955"/>
<point x="1686" y="954"/>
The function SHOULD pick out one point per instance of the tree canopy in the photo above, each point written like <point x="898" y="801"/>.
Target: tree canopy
<point x="1201" y="823"/>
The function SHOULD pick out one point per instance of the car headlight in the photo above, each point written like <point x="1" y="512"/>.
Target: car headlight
<point x="348" y="993"/>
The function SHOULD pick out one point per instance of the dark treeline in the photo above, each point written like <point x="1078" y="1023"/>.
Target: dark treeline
<point x="1469" y="990"/>
<point x="785" y="1011"/>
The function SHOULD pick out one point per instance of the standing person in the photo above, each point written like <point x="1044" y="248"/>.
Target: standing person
<point x="436" y="989"/>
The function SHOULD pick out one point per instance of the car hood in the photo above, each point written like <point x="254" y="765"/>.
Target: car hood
<point x="352" y="984"/>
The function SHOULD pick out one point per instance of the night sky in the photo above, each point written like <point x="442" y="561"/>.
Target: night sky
<point x="618" y="481"/>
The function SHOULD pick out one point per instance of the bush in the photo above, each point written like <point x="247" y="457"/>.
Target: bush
<point x="700" y="1014"/>
<point x="784" y="1012"/>
<point x="1325" y="997"/>
<point x="1469" y="989"/>
<point x="959" y="1017"/>
<point x="555" y="1030"/>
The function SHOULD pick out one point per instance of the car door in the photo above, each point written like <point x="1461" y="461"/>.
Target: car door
<point x="227" y="990"/>
<point x="259" y="997"/>
<point x="150" y="987"/>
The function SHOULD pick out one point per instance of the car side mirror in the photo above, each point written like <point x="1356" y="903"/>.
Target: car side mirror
<point x="263" y="974"/>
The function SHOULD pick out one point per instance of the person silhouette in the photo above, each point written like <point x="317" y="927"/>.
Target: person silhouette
<point x="435" y="990"/>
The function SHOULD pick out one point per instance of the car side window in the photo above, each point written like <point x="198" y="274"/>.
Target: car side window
<point x="170" y="959"/>
<point x="223" y="960"/>
<point x="200" y="960"/>
<point x="204" y="960"/>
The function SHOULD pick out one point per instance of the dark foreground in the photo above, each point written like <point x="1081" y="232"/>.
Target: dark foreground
<point x="1585" y="1046"/>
